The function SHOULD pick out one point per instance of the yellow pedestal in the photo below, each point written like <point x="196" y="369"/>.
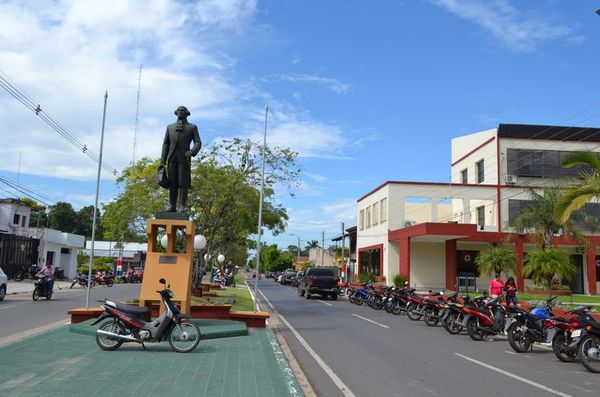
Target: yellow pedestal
<point x="175" y="267"/>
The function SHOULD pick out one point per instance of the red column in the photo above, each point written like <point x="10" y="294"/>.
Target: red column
<point x="519" y="252"/>
<point x="405" y="258"/>
<point x="591" y="269"/>
<point x="451" y="265"/>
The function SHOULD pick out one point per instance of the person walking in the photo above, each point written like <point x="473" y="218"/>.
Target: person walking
<point x="511" y="292"/>
<point x="496" y="286"/>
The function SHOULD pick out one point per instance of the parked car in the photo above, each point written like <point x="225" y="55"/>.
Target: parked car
<point x="297" y="279"/>
<point x="276" y="276"/>
<point x="288" y="277"/>
<point x="318" y="280"/>
<point x="3" y="283"/>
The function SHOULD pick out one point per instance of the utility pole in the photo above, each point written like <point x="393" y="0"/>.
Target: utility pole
<point x="343" y="242"/>
<point x="260" y="210"/>
<point x="323" y="248"/>
<point x="298" y="260"/>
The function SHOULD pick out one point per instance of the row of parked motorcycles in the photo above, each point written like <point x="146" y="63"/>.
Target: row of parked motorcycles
<point x="576" y="337"/>
<point x="30" y="272"/>
<point x="107" y="279"/>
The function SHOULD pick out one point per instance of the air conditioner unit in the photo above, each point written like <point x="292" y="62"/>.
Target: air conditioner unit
<point x="408" y="222"/>
<point x="510" y="179"/>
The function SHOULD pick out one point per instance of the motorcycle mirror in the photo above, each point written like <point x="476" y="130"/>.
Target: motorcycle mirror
<point x="162" y="281"/>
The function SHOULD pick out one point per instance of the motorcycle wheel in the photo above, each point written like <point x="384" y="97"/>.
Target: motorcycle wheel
<point x="410" y="312"/>
<point x="36" y="294"/>
<point x="396" y="309"/>
<point x="19" y="276"/>
<point x="106" y="342"/>
<point x="110" y="283"/>
<point x="185" y="338"/>
<point x="49" y="295"/>
<point x="449" y="324"/>
<point x="589" y="352"/>
<point x="559" y="347"/>
<point x="517" y="339"/>
<point x="377" y="303"/>
<point x="473" y="329"/>
<point x="428" y="317"/>
<point x="389" y="305"/>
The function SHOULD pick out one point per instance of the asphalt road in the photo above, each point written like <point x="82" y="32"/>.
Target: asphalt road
<point x="374" y="353"/>
<point x="19" y="313"/>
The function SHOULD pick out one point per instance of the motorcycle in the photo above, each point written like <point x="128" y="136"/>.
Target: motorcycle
<point x="415" y="309"/>
<point x="107" y="279"/>
<point x="568" y="334"/>
<point x="28" y="272"/>
<point x="588" y="348"/>
<point x="528" y="328"/>
<point x="126" y="323"/>
<point x="41" y="289"/>
<point x="490" y="319"/>
<point x="81" y="279"/>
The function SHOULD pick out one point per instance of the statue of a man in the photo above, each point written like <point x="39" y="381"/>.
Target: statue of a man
<point x="177" y="156"/>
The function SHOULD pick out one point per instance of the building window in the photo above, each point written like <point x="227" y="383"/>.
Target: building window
<point x="370" y="262"/>
<point x="480" y="172"/>
<point x="481" y="217"/>
<point x="383" y="210"/>
<point x="361" y="220"/>
<point x="16" y="219"/>
<point x="375" y="215"/>
<point x="65" y="251"/>
<point x="464" y="176"/>
<point x="24" y="221"/>
<point x="368" y="217"/>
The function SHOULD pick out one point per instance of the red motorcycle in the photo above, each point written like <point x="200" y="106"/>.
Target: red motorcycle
<point x="568" y="334"/>
<point x="490" y="319"/>
<point x="107" y="279"/>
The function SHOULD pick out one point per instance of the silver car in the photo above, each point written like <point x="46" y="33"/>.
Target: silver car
<point x="3" y="281"/>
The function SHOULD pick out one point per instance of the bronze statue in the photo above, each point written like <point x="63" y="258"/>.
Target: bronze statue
<point x="177" y="156"/>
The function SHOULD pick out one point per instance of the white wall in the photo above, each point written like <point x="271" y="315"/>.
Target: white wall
<point x="428" y="265"/>
<point x="461" y="146"/>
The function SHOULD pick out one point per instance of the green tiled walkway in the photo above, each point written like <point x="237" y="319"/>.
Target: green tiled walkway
<point x="209" y="329"/>
<point x="62" y="363"/>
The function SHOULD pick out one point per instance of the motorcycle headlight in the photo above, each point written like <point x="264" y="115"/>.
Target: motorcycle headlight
<point x="171" y="294"/>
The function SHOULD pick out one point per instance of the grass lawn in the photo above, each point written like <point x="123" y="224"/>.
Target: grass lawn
<point x="241" y="296"/>
<point x="570" y="300"/>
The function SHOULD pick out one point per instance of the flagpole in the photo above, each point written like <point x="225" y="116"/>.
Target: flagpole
<point x="260" y="210"/>
<point x="89" y="280"/>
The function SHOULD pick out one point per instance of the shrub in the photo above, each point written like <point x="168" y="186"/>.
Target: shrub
<point x="364" y="278"/>
<point x="399" y="280"/>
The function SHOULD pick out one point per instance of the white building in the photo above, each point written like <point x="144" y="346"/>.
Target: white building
<point x="431" y="232"/>
<point x="23" y="245"/>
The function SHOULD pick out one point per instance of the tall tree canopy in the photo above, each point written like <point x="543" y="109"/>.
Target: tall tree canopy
<point x="223" y="199"/>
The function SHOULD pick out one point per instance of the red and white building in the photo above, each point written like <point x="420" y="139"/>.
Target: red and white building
<point x="431" y="232"/>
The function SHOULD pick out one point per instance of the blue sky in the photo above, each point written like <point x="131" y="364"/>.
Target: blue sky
<point x="364" y="91"/>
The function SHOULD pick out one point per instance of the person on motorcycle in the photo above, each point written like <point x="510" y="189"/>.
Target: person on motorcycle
<point x="48" y="272"/>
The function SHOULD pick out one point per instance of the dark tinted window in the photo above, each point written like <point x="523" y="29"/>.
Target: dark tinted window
<point x="319" y="272"/>
<point x="480" y="171"/>
<point x="539" y="163"/>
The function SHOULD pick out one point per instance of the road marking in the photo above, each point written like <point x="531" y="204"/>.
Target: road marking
<point x="338" y="382"/>
<point x="371" y="321"/>
<point x="509" y="352"/>
<point x="517" y="377"/>
<point x="7" y="307"/>
<point x="325" y="303"/>
<point x="253" y="297"/>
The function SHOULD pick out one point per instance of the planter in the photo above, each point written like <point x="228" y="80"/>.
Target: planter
<point x="548" y="292"/>
<point x="210" y="311"/>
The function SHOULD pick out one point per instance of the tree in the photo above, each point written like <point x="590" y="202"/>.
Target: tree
<point x="583" y="190"/>
<point x="62" y="216"/>
<point x="496" y="260"/>
<point x="543" y="265"/>
<point x="38" y="216"/>
<point x="273" y="259"/>
<point x="85" y="220"/>
<point x="223" y="199"/>
<point x="312" y="244"/>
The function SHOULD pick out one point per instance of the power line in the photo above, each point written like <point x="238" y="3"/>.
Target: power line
<point x="10" y="87"/>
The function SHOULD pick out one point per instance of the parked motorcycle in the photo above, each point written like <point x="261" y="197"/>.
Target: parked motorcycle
<point x="588" y="348"/>
<point x="487" y="320"/>
<point x="568" y="334"/>
<point x="81" y="279"/>
<point x="28" y="272"/>
<point x="107" y="279"/>
<point x="530" y="327"/>
<point x="41" y="289"/>
<point x="125" y="323"/>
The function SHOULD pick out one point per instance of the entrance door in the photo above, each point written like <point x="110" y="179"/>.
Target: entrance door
<point x="50" y="257"/>
<point x="576" y="284"/>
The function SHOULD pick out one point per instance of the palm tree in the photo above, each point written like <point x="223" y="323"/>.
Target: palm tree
<point x="586" y="188"/>
<point x="496" y="260"/>
<point x="543" y="265"/>
<point x="312" y="244"/>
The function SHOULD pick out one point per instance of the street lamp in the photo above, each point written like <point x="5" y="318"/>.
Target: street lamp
<point x="199" y="244"/>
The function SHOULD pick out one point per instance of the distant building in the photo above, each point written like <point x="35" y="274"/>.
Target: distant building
<point x="431" y="232"/>
<point x="133" y="254"/>
<point x="21" y="245"/>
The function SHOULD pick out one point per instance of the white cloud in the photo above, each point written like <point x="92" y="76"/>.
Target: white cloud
<point x="333" y="84"/>
<point x="518" y="30"/>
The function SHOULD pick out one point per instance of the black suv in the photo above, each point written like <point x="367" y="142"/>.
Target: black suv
<point x="319" y="280"/>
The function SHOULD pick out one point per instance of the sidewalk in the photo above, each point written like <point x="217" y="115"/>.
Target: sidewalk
<point x="63" y="363"/>
<point x="26" y="286"/>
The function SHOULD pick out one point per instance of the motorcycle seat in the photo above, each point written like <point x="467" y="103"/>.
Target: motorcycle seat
<point x="138" y="311"/>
